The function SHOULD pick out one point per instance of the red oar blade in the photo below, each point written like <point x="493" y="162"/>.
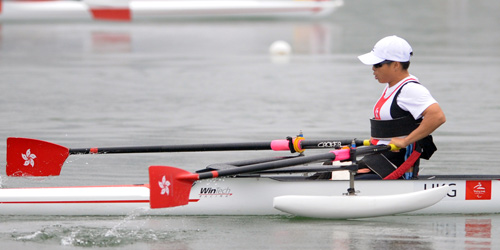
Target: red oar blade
<point x="31" y="157"/>
<point x="169" y="186"/>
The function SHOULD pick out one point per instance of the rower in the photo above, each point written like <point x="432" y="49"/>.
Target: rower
<point x="405" y="115"/>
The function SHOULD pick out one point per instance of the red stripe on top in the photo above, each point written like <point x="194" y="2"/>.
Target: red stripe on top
<point x="112" y="14"/>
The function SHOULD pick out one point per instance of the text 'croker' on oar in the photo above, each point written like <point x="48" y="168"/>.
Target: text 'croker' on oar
<point x="171" y="186"/>
<point x="32" y="157"/>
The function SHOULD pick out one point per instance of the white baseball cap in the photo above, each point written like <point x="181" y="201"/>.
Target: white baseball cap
<point x="392" y="48"/>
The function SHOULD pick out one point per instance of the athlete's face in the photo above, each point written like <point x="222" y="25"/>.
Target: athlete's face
<point x="383" y="71"/>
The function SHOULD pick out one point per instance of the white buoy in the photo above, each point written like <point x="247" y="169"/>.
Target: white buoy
<point x="280" y="48"/>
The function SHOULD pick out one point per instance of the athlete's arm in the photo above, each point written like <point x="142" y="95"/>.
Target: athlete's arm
<point x="433" y="117"/>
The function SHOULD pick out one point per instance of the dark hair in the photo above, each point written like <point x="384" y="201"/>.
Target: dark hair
<point x="405" y="65"/>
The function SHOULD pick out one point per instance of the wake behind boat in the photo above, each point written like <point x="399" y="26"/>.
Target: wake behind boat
<point x="127" y="10"/>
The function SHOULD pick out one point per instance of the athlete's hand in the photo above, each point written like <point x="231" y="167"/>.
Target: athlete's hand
<point x="399" y="142"/>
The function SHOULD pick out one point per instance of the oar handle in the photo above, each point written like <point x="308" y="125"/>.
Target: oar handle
<point x="376" y="149"/>
<point x="394" y="147"/>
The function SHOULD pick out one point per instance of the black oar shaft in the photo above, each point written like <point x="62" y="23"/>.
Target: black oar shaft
<point x="175" y="148"/>
<point x="268" y="165"/>
<point x="291" y="162"/>
<point x="218" y="166"/>
<point x="304" y="144"/>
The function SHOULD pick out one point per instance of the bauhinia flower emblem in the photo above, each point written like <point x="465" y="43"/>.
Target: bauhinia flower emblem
<point x="29" y="158"/>
<point x="164" y="184"/>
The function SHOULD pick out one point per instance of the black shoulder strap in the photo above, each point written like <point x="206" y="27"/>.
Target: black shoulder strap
<point x="396" y="111"/>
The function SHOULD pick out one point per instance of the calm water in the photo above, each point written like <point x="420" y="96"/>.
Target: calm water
<point x="83" y="84"/>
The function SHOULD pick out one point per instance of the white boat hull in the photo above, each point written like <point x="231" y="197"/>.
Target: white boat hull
<point x="146" y="9"/>
<point x="105" y="200"/>
<point x="243" y="196"/>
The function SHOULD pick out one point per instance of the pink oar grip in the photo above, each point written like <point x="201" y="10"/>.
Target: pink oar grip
<point x="280" y="145"/>
<point x="342" y="154"/>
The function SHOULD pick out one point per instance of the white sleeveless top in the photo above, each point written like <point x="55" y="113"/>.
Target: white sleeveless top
<point x="414" y="98"/>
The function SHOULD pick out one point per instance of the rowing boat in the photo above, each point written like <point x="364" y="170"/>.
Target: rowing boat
<point x="267" y="186"/>
<point x="126" y="10"/>
<point x="253" y="195"/>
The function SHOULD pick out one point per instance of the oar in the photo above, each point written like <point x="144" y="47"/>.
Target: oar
<point x="170" y="186"/>
<point x="218" y="166"/>
<point x="32" y="157"/>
